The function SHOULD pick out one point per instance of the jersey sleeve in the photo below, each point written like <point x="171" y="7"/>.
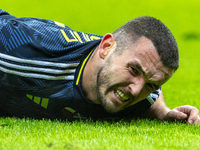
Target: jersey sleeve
<point x="40" y="38"/>
<point x="153" y="96"/>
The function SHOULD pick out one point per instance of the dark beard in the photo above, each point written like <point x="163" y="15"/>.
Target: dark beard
<point x="100" y="96"/>
<point x="103" y="81"/>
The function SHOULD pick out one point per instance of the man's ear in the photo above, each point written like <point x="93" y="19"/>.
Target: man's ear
<point x="106" y="45"/>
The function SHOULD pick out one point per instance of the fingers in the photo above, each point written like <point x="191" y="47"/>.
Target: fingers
<point x="194" y="116"/>
<point x="197" y="121"/>
<point x="175" y="115"/>
<point x="186" y="112"/>
<point x="192" y="113"/>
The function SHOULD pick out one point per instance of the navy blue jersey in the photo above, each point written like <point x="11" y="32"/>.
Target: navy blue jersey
<point x="41" y="65"/>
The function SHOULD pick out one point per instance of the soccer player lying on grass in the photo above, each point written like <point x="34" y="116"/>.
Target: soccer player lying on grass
<point x="48" y="70"/>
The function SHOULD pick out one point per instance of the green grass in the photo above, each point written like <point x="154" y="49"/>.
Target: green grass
<point x="88" y="135"/>
<point x="100" y="17"/>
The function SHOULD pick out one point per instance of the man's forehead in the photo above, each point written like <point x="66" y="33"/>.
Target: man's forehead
<point x="144" y="41"/>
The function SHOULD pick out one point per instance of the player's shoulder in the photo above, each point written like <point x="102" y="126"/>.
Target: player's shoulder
<point x="3" y="12"/>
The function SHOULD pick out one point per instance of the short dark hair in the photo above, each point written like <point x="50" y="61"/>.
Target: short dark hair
<point x="154" y="30"/>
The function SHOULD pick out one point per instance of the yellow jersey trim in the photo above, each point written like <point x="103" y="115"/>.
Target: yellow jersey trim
<point x="83" y="64"/>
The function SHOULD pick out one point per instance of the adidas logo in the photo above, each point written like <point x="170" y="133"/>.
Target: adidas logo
<point x="39" y="100"/>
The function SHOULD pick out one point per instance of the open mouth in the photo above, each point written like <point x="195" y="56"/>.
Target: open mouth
<point x="121" y="95"/>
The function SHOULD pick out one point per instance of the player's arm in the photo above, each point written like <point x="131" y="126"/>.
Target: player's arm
<point x="160" y="111"/>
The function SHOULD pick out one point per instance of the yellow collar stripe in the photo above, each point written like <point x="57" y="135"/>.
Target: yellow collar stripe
<point x="83" y="64"/>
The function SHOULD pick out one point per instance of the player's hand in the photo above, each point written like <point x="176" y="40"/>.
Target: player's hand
<point x="186" y="112"/>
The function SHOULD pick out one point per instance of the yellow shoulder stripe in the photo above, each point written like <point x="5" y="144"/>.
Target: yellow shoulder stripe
<point x="83" y="64"/>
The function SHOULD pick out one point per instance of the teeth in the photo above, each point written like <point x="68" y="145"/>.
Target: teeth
<point x="121" y="95"/>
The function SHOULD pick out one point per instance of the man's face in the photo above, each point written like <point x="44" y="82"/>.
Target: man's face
<point x="130" y="77"/>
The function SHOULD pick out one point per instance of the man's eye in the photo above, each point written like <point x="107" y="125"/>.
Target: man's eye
<point x="134" y="71"/>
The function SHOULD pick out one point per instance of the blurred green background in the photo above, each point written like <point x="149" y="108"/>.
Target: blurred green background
<point x="101" y="17"/>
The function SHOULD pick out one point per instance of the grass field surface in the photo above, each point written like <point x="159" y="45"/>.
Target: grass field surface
<point x="101" y="17"/>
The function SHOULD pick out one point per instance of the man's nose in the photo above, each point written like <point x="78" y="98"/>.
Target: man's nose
<point x="136" y="87"/>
